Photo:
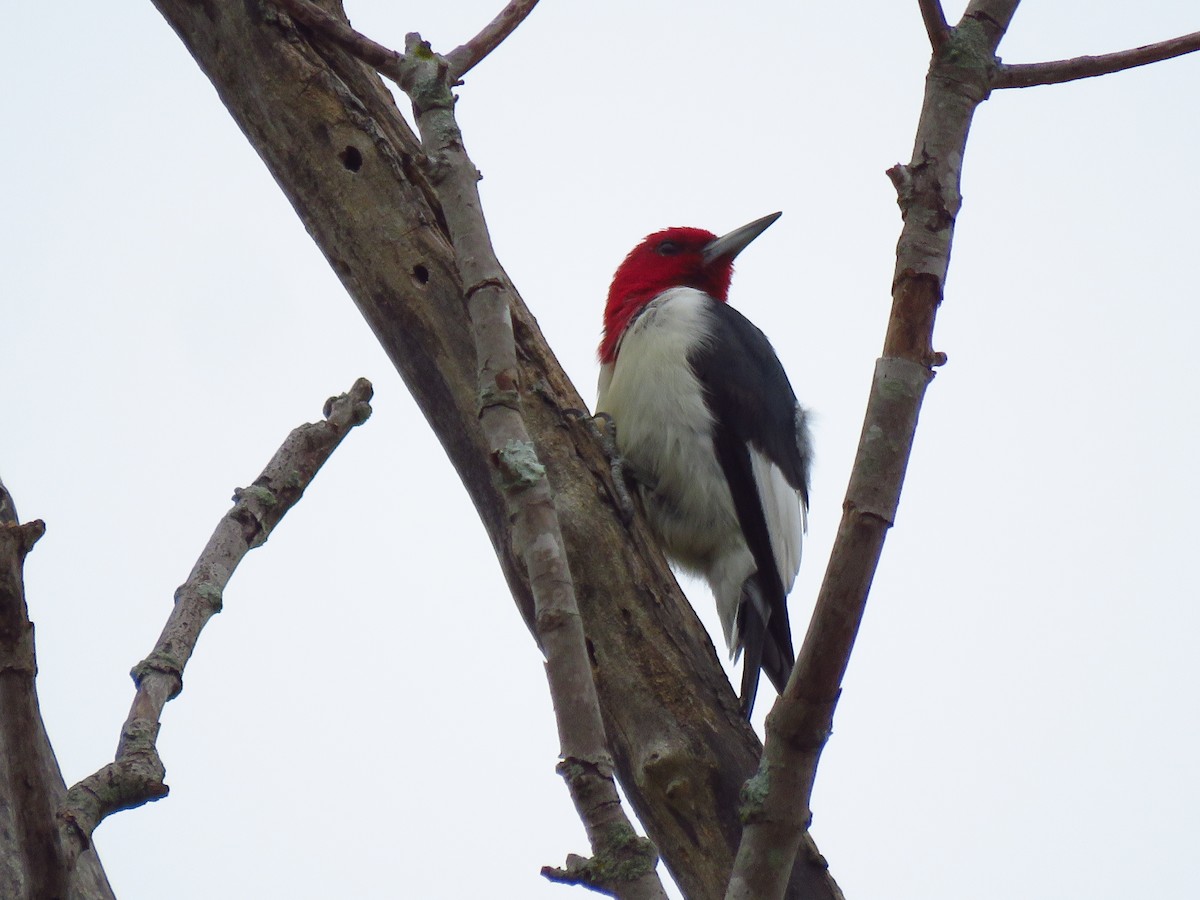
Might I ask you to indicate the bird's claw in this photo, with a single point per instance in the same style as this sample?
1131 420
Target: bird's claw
604 429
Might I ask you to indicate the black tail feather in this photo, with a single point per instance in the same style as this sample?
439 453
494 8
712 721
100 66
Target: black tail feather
778 663
753 635
765 646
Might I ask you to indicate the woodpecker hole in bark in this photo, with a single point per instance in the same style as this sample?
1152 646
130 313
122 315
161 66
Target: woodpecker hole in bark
421 273
351 158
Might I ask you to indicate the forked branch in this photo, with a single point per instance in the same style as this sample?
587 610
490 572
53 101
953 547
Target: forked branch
390 62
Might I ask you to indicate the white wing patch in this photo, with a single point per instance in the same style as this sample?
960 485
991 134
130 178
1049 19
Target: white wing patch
787 519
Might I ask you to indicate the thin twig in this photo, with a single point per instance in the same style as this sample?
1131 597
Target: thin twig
935 23
136 774
463 59
1062 70
622 863
338 31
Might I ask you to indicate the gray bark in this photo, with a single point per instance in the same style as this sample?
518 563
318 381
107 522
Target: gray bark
330 134
31 783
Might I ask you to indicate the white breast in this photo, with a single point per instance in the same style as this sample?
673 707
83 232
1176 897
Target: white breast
664 432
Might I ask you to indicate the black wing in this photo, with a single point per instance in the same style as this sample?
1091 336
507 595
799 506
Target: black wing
753 406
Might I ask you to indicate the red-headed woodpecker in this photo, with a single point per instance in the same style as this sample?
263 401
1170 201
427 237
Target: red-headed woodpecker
712 438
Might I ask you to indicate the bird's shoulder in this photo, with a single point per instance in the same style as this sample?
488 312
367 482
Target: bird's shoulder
750 394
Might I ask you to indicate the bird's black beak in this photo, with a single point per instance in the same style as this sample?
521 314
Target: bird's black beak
730 245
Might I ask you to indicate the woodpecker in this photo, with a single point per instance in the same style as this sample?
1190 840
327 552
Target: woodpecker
713 441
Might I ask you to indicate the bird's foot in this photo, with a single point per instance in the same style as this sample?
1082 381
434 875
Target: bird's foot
605 431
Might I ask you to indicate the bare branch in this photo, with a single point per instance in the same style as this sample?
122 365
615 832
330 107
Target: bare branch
776 807
1062 70
29 782
935 23
463 59
681 747
339 32
391 63
136 775
622 863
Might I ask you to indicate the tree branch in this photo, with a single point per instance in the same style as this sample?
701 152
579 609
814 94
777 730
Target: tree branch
681 747
338 32
31 783
622 863
1062 70
776 800
27 784
136 774
463 59
390 62
935 24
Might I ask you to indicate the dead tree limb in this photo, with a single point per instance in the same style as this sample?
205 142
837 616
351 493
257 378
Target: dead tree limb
330 134
136 775
33 864
622 863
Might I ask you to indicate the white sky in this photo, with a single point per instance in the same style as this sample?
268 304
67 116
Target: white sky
368 717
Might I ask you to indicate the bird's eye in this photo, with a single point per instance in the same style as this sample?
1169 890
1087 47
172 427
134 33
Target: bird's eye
667 248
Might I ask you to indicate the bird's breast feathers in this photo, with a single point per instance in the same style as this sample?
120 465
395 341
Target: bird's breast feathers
664 426
665 433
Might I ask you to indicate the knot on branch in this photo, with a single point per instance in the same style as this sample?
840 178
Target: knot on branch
518 464
425 76
205 592
551 618
501 392
918 188
622 856
212 595
162 663
138 737
24 536
672 772
753 795
496 283
258 494
754 798
902 181
251 505
351 408
574 769
804 724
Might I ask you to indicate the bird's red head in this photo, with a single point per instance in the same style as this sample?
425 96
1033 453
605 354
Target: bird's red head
673 257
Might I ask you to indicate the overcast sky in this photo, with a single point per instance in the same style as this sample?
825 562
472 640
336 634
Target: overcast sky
368 717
